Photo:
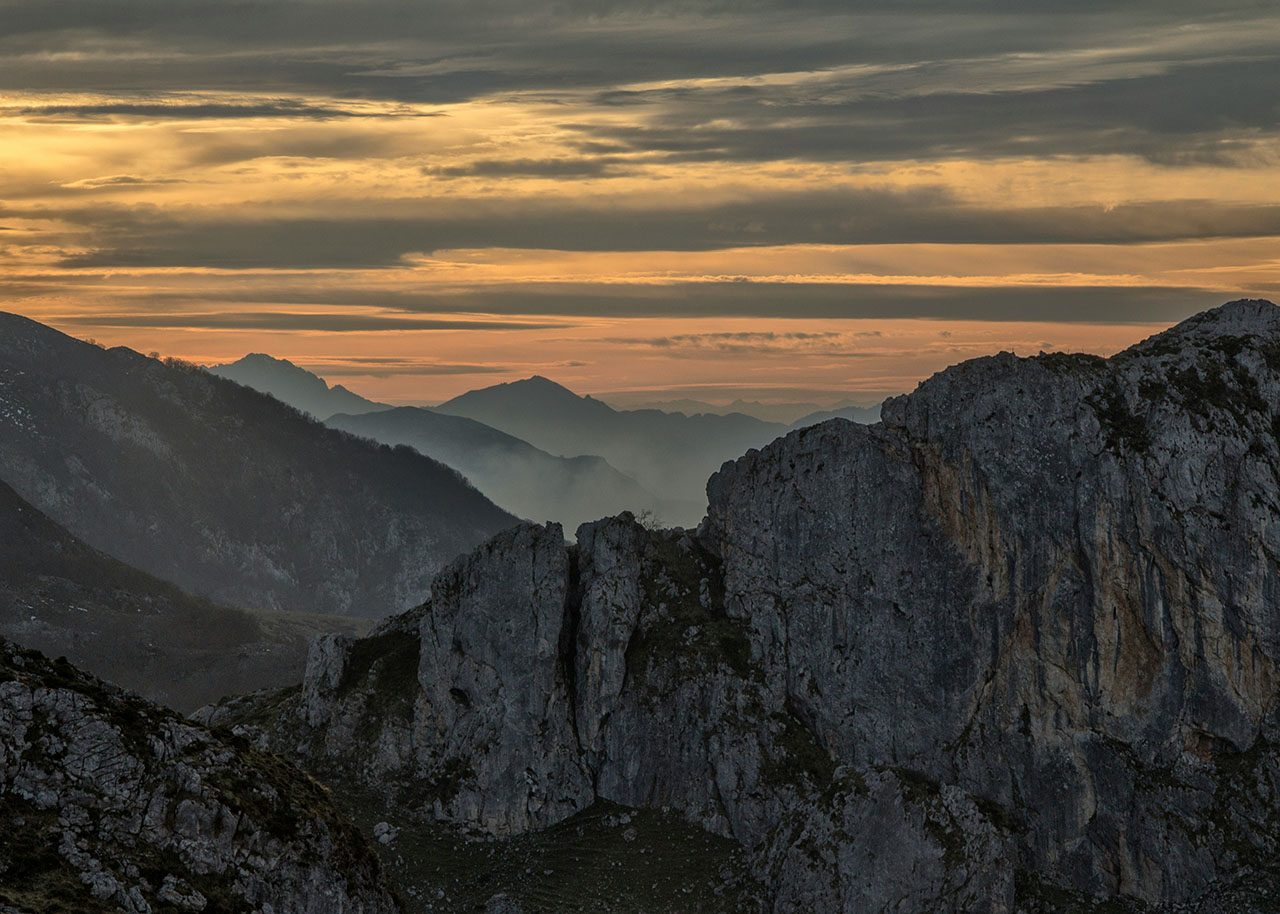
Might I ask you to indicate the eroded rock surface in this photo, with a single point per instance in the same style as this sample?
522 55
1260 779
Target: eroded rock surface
110 803
1012 649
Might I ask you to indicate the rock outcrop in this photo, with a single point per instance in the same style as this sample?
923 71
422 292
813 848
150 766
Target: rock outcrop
109 803
1014 648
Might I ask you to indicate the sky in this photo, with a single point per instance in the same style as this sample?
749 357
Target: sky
804 200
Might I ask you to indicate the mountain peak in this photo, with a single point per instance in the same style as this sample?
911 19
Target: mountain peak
1252 315
294 385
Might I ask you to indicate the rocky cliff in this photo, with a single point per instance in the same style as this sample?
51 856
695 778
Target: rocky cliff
1014 648
109 803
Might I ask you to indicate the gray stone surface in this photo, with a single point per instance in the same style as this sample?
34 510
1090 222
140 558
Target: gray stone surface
1012 649
109 802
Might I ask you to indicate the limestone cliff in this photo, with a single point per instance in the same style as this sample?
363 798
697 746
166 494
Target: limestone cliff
1014 648
110 803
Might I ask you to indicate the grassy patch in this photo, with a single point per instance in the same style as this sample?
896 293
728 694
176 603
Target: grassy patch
693 626
1124 431
799 757
604 859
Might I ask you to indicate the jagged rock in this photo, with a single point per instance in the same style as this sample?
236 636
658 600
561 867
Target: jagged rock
502 903
1015 648
112 803
497 705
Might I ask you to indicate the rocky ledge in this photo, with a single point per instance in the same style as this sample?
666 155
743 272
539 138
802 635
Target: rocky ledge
1015 648
110 803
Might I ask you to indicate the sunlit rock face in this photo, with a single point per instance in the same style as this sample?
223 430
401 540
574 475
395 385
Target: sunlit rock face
115 804
1013 648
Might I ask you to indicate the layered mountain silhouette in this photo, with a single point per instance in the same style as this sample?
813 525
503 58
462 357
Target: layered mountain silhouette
65 598
296 386
518 476
863 414
515 474
785 413
223 490
670 453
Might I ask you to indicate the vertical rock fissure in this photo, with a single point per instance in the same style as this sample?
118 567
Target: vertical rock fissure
568 648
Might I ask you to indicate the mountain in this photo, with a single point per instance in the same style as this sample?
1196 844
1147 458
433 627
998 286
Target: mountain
1015 648
227 492
785 413
864 414
110 803
293 385
63 598
668 453
518 476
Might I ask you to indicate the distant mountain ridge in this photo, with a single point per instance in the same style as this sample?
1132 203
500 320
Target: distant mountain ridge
62 597
668 453
296 386
518 476
225 491
866 415
523 479
786 413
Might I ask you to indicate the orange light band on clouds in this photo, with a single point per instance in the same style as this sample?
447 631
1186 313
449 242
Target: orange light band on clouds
444 201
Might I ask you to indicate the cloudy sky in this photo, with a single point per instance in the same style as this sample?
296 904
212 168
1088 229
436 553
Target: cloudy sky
712 199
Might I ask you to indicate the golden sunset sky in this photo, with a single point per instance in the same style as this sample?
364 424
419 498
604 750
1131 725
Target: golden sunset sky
783 201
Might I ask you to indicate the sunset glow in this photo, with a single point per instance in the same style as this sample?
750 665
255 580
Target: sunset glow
416 200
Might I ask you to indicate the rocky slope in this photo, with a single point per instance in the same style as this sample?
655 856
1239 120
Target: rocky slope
59 596
1012 649
113 804
226 492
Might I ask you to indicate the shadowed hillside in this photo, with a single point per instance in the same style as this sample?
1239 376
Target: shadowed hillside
227 492
64 598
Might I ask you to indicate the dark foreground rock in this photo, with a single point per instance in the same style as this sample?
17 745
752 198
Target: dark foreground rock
110 803
1015 648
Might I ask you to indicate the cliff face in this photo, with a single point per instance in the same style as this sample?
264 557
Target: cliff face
1014 647
112 803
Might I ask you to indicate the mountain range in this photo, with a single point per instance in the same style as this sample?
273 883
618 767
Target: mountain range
669 453
227 492
792 414
525 480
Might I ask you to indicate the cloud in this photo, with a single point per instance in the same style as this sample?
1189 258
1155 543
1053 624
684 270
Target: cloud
184 110
541 168
120 181
791 344
278 320
1083 304
121 237
389 368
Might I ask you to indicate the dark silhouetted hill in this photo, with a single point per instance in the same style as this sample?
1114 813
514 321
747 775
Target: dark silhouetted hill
296 386
221 489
